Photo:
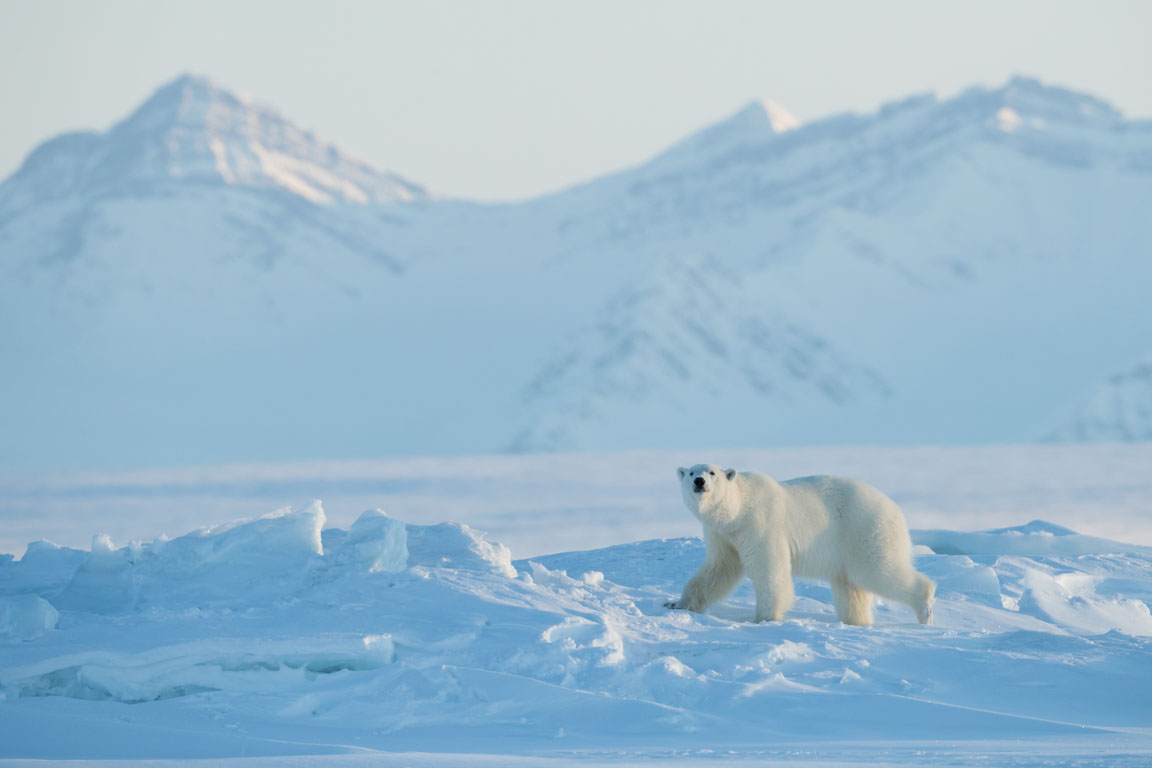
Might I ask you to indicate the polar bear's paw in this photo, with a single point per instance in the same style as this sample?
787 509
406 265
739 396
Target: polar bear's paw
681 605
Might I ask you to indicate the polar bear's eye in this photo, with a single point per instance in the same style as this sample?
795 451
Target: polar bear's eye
712 473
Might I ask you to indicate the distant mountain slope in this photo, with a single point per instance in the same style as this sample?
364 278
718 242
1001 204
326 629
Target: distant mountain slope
974 259
207 282
665 357
1120 410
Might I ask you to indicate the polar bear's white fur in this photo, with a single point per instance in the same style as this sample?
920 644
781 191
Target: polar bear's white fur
823 527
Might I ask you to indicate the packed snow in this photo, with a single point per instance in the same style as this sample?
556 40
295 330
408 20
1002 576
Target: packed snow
432 644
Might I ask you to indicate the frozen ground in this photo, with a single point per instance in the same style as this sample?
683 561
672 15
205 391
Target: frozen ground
284 640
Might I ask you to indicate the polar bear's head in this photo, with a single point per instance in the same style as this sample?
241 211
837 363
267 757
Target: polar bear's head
704 483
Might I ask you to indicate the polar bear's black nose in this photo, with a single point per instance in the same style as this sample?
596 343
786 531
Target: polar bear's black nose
699 482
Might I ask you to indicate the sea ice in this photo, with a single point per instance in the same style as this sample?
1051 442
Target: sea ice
275 636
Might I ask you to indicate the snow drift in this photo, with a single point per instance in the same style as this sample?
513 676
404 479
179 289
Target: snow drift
277 636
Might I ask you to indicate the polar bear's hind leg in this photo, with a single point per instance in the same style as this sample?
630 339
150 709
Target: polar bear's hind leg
904 584
853 604
927 596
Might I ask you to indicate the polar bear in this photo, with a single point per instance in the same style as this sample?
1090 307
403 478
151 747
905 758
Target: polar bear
821 527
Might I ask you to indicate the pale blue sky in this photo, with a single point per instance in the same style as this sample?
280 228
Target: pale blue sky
498 100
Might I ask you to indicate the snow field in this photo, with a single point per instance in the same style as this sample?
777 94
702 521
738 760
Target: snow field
276 636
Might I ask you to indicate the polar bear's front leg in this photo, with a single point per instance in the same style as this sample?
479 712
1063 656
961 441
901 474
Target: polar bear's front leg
718 576
771 574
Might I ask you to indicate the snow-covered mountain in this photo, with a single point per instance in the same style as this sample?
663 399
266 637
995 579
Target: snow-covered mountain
207 282
1119 411
957 270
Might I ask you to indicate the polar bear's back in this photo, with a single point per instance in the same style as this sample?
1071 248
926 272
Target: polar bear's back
848 502
846 518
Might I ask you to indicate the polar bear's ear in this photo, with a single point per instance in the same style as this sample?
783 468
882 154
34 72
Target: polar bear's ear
731 473
680 471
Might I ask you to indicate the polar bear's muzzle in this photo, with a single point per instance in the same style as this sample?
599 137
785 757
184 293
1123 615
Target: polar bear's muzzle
698 485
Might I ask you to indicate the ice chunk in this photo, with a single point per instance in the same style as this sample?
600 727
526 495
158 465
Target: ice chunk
281 538
265 557
455 545
376 540
103 583
27 617
249 559
44 568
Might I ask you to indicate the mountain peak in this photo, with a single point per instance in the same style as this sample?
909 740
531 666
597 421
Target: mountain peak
764 115
185 95
756 122
191 82
191 103
1029 100
192 130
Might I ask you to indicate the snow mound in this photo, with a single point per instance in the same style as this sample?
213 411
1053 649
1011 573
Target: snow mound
1035 538
245 561
1073 599
960 575
385 544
